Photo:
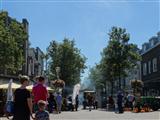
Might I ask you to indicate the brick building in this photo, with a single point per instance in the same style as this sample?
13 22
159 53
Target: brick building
151 66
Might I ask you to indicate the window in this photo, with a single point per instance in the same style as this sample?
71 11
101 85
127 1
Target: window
149 67
152 42
155 65
144 69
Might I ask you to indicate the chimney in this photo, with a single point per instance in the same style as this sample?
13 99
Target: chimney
153 41
145 47
26 24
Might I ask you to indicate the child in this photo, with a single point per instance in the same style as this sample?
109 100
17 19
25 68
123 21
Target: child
42 114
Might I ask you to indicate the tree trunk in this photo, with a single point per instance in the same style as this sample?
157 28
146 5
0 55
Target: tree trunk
124 83
5 70
119 78
112 88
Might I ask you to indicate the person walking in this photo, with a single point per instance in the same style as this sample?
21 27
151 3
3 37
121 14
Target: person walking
22 101
39 92
59 102
130 99
120 101
111 104
51 100
42 114
77 103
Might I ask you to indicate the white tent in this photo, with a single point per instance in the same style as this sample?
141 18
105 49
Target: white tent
31 86
5 86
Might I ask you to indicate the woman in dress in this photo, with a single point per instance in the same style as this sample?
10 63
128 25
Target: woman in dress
22 101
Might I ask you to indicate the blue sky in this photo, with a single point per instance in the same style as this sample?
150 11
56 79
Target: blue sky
88 22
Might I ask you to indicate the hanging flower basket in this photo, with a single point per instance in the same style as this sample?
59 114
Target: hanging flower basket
137 83
58 83
137 86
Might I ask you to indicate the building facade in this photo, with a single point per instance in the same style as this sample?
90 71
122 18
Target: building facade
33 57
26 47
133 74
151 66
35 62
6 74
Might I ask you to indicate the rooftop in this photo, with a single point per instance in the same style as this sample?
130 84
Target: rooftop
153 42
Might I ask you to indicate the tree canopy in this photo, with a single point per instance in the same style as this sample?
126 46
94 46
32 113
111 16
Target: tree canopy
70 60
12 38
118 57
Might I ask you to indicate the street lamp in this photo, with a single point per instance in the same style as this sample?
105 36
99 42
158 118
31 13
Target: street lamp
57 72
58 83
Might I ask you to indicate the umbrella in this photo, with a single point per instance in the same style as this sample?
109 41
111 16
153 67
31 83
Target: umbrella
5 86
31 86
9 91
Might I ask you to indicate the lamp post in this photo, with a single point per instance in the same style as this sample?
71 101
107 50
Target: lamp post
57 72
58 83
45 58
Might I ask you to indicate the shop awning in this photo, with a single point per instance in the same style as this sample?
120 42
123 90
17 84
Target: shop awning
31 86
5 86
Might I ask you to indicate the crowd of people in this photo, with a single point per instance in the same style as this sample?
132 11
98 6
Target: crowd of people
38 103
122 101
41 102
25 103
116 104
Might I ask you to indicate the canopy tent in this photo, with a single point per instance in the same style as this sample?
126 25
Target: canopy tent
31 86
15 86
5 86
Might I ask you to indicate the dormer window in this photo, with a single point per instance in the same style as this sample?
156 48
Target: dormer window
152 43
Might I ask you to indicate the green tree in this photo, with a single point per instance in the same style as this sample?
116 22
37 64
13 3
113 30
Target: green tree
96 77
71 62
119 56
12 38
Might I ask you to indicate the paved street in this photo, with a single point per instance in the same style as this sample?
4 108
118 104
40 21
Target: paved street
103 115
